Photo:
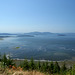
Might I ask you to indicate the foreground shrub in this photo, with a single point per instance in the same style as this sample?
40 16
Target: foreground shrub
25 65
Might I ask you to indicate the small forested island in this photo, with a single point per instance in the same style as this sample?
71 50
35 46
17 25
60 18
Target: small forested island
17 47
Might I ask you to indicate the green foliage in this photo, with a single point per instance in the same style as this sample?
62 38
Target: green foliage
56 67
38 65
51 67
46 66
73 70
4 59
43 67
9 62
32 65
0 57
26 65
63 67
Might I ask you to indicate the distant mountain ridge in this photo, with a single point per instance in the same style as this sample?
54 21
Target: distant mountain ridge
7 34
38 33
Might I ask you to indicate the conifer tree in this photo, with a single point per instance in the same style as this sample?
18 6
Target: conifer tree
9 62
63 67
46 66
56 67
51 67
26 65
0 57
4 60
32 65
43 67
73 70
38 65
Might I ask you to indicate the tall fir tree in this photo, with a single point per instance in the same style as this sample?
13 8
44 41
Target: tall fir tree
9 62
4 60
26 65
0 57
56 67
73 70
43 67
46 66
32 65
63 67
38 65
51 67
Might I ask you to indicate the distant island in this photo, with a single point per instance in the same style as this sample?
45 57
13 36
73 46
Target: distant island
25 35
61 35
39 33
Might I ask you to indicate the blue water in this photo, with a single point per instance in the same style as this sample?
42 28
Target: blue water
43 47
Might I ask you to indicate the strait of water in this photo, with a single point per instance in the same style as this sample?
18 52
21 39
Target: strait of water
43 47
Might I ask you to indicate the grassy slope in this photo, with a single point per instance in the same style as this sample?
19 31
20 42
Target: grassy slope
20 72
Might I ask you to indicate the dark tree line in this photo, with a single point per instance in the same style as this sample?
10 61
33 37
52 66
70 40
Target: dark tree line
46 67
50 67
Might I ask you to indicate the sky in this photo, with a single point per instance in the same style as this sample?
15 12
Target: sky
21 16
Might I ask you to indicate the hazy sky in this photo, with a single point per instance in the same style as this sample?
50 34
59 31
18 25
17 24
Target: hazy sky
37 15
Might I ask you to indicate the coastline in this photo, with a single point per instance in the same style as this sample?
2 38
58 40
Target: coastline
68 63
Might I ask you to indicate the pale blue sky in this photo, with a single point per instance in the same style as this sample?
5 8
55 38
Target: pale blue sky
37 15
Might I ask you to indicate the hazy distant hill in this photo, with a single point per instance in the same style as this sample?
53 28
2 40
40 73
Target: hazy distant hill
32 34
71 34
22 35
38 33
7 34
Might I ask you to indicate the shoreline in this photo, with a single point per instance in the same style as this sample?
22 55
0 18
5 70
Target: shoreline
17 59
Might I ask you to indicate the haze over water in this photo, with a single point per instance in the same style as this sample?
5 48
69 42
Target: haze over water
43 47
